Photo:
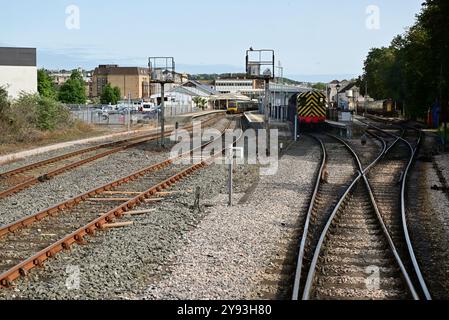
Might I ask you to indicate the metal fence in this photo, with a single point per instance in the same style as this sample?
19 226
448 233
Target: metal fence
279 113
93 114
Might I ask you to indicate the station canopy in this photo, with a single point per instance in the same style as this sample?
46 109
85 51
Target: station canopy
230 96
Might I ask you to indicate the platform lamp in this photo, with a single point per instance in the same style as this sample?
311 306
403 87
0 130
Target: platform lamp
338 95
162 71
260 64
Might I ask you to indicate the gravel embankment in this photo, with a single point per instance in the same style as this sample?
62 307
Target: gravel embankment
428 215
232 252
442 164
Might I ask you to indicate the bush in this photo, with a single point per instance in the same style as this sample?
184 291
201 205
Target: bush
29 116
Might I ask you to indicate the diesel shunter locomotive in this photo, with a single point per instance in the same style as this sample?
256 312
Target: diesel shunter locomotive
311 107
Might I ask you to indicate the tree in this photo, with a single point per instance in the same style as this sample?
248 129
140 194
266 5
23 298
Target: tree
110 95
117 94
200 102
74 90
45 84
319 86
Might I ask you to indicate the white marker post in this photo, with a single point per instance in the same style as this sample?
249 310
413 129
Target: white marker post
230 173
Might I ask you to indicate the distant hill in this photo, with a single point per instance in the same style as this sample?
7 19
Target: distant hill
216 76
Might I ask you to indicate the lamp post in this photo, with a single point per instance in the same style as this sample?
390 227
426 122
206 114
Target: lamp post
338 95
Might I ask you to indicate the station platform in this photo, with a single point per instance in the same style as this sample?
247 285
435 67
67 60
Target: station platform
201 114
254 118
342 125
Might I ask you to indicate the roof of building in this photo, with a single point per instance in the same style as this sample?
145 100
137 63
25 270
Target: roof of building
230 96
20 57
349 86
191 91
114 70
200 86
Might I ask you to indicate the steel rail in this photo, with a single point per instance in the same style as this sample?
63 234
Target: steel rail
53 173
362 174
404 217
417 269
67 204
72 154
297 281
90 229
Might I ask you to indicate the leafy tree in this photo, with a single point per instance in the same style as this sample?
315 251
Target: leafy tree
414 69
110 95
319 86
45 84
74 90
200 102
117 95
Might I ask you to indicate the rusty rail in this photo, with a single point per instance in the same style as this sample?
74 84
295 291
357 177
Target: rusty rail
53 173
90 229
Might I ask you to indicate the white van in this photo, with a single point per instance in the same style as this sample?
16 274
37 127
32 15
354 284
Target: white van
147 107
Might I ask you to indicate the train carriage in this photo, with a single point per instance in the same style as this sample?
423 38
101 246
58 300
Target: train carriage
238 107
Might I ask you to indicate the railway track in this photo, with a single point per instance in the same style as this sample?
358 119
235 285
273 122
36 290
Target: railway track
29 242
22 178
332 183
357 251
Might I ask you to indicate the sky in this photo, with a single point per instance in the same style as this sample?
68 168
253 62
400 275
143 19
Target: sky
315 40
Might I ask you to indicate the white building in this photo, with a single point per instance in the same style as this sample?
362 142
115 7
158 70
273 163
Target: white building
233 85
18 71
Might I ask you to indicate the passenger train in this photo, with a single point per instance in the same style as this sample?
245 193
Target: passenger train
238 107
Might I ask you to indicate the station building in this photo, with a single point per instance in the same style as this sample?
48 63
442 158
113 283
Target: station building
18 70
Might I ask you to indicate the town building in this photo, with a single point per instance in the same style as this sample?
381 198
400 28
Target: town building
348 96
60 77
18 70
133 81
234 85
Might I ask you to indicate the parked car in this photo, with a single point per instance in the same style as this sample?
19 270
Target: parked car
126 110
105 110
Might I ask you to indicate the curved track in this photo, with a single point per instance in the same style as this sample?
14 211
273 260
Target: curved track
360 254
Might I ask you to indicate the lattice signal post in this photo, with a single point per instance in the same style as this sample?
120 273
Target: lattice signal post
260 64
162 71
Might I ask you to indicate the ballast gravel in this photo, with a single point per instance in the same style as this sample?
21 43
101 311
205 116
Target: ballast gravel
75 182
230 254
80 180
178 251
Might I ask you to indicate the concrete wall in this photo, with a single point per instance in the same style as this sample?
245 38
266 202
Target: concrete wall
18 79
